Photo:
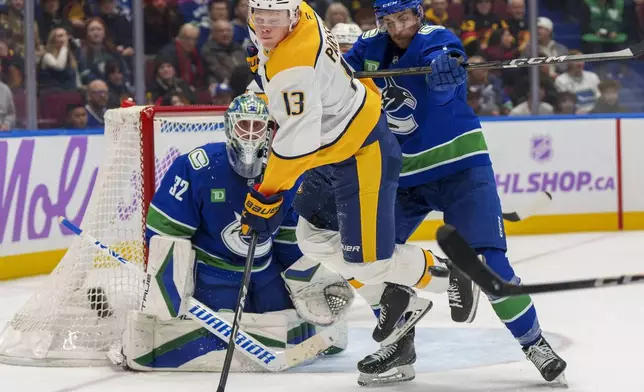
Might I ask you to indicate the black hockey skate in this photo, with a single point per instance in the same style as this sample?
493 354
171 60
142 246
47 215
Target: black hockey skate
400 310
549 364
390 364
463 296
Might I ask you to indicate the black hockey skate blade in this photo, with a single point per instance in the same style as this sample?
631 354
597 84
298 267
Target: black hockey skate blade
98 302
465 259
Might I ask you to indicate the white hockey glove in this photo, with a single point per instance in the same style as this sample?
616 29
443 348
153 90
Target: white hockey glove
320 296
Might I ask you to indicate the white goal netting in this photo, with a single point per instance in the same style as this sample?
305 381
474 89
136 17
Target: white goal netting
79 312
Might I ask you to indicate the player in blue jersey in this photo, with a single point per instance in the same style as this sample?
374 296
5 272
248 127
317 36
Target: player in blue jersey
197 208
446 166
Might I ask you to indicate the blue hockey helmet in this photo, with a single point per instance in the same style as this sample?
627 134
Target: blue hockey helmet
383 8
246 123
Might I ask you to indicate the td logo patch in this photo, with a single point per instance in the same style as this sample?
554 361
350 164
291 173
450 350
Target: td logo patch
217 195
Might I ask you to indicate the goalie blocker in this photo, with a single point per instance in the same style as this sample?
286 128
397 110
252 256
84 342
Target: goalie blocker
162 338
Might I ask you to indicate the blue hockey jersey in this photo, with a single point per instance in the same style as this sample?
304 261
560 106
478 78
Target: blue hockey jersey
438 132
201 198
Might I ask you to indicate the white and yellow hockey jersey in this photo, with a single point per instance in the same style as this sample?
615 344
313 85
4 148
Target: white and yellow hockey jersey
324 115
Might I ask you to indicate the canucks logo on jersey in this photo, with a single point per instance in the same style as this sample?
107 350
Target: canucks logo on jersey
238 243
399 104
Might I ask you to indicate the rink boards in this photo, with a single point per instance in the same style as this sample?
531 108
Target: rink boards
590 164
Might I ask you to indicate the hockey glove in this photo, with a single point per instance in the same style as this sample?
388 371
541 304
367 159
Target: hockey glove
252 59
447 73
262 214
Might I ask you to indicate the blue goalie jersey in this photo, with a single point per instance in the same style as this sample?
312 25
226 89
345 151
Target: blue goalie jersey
438 132
201 198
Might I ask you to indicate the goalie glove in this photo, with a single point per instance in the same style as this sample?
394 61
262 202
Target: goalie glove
320 296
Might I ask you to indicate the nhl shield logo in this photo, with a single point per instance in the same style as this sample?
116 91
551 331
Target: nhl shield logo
541 148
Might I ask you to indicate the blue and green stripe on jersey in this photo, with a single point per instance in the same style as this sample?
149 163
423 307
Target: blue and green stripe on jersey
461 147
511 308
161 223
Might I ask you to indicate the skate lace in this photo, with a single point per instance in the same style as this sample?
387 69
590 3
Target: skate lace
540 355
454 296
385 352
382 316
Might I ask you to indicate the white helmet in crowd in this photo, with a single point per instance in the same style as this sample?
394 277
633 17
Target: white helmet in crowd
346 33
292 6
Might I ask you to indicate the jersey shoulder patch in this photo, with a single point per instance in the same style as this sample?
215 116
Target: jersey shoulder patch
370 33
207 158
301 48
428 29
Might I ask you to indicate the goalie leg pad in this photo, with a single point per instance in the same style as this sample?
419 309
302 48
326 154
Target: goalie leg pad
320 295
183 345
171 269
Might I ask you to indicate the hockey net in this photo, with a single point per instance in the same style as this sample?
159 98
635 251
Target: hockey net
79 312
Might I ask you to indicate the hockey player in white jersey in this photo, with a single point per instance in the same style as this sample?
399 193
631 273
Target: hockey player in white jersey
197 250
331 129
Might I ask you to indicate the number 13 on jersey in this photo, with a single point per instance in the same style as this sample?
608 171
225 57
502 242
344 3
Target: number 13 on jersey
293 102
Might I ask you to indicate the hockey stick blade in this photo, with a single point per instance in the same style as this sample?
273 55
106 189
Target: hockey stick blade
464 258
631 52
540 201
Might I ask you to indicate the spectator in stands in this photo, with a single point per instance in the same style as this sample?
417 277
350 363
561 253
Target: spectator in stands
162 22
240 22
218 10
336 13
76 117
365 19
51 17
517 24
174 99
521 84
118 28
477 27
548 46
97 96
182 52
436 14
602 25
12 67
120 89
493 99
7 109
74 11
501 46
566 103
58 67
608 102
222 95
95 51
13 25
166 83
525 108
221 54
584 84
476 101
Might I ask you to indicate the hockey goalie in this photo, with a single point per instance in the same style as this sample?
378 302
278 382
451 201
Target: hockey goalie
196 249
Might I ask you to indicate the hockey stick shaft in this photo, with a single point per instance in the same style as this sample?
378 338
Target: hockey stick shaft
222 328
241 302
625 54
465 259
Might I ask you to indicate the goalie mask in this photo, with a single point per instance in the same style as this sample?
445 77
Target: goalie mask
247 134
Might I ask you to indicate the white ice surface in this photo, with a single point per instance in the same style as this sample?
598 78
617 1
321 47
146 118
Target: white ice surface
600 334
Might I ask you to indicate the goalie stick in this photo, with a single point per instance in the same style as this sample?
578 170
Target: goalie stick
465 259
631 52
269 359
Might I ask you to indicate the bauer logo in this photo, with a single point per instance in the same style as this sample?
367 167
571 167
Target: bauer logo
222 329
541 148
